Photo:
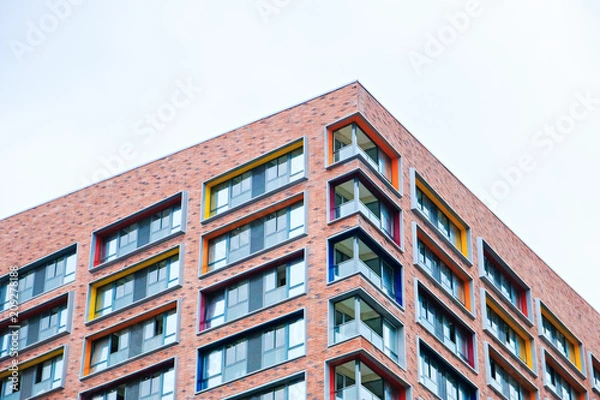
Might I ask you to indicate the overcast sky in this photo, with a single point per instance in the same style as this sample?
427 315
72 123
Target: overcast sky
505 93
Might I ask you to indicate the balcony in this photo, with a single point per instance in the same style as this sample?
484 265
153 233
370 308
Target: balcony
351 140
353 255
354 317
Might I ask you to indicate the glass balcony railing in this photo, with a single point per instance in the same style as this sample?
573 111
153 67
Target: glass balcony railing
352 266
354 328
355 392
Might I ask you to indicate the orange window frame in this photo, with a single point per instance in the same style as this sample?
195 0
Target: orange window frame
373 135
465 279
463 245
528 350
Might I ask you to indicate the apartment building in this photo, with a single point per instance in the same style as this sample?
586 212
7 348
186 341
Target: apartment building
318 253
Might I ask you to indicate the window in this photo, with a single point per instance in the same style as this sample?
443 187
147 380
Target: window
262 176
157 385
503 281
42 276
36 325
446 327
293 389
505 384
507 332
440 216
596 375
441 379
141 281
259 291
262 233
357 379
354 137
258 349
149 226
555 382
41 377
355 316
441 273
354 252
140 338
357 194
560 338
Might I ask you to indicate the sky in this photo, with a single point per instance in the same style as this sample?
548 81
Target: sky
506 94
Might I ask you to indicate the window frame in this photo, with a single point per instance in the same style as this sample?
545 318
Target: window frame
419 235
530 363
483 249
257 332
358 177
290 204
491 354
548 360
472 361
417 182
102 236
544 313
363 295
65 299
165 365
52 354
287 261
392 378
269 387
126 325
257 162
395 159
357 233
146 264
450 372
31 268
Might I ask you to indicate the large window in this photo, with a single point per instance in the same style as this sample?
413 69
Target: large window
254 236
596 373
140 338
555 382
507 332
41 277
259 349
356 194
442 379
356 316
269 175
292 389
36 325
39 378
356 379
262 290
137 283
445 276
351 140
440 216
446 327
148 226
354 252
158 384
497 275
560 338
503 382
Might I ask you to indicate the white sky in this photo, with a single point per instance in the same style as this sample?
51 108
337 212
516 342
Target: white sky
75 95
